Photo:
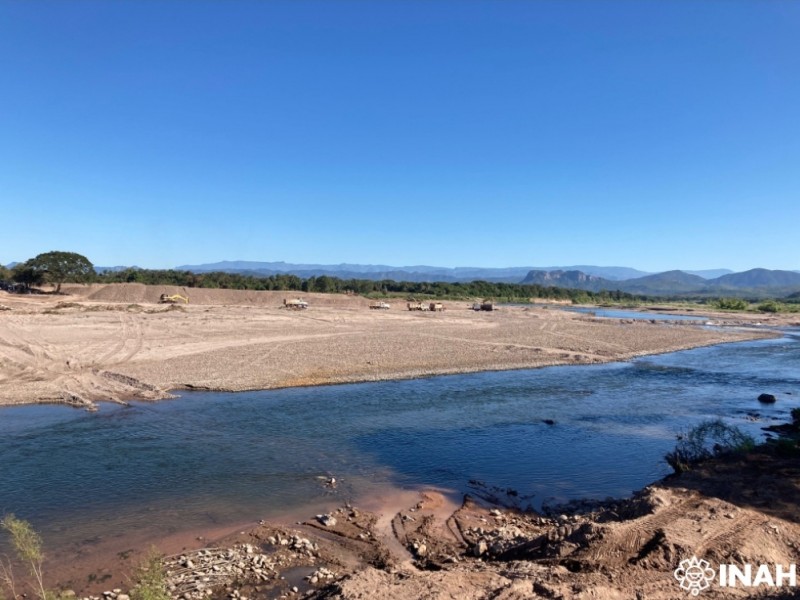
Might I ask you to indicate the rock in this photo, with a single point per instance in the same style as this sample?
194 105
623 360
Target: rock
123 597
766 399
327 520
480 548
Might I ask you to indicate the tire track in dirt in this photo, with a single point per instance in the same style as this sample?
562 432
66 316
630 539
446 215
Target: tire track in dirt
625 540
131 333
731 535
61 375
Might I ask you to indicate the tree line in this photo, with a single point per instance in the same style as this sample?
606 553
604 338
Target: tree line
366 287
59 267
62 267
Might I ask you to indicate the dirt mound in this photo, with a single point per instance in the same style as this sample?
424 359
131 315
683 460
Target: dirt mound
626 549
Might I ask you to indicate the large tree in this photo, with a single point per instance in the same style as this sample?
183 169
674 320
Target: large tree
58 267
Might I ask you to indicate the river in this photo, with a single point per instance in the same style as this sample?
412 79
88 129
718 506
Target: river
212 459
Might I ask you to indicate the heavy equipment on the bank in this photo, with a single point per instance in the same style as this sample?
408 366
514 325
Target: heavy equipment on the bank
173 299
295 304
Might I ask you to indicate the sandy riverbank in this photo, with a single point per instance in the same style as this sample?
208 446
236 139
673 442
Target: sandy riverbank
115 342
408 546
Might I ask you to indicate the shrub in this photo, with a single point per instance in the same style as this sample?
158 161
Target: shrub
150 579
28 546
707 440
731 304
770 306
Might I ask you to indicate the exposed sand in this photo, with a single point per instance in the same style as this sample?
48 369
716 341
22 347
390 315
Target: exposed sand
115 342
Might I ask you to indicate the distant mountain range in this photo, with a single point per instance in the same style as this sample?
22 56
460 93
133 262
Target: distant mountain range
755 282
419 272
709 282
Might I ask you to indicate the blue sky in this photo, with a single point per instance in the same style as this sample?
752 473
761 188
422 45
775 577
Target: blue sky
649 134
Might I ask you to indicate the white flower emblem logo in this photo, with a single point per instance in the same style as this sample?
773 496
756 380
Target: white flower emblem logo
694 575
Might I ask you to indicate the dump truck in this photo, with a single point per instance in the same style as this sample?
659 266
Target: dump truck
295 304
379 306
173 299
417 306
436 306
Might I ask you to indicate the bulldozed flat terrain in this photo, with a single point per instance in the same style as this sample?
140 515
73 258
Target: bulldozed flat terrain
117 343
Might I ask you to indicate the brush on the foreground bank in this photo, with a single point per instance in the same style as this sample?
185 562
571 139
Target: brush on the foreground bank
28 546
704 441
150 579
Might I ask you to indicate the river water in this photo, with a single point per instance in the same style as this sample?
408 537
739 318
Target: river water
211 459
616 313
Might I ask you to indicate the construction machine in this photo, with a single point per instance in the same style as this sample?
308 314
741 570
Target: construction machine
173 299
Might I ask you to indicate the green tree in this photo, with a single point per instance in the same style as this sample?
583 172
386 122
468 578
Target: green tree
58 267
25 274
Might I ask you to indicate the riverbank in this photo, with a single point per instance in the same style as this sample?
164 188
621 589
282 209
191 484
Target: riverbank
738 509
116 343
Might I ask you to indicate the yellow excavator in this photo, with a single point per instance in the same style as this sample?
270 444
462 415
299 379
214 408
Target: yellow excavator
173 299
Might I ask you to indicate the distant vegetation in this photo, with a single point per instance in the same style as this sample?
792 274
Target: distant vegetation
61 267
765 306
365 287
54 267
730 304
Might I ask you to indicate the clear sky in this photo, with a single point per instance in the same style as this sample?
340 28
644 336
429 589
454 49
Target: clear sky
650 134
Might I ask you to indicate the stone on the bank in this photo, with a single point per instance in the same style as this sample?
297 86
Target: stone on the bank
327 520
